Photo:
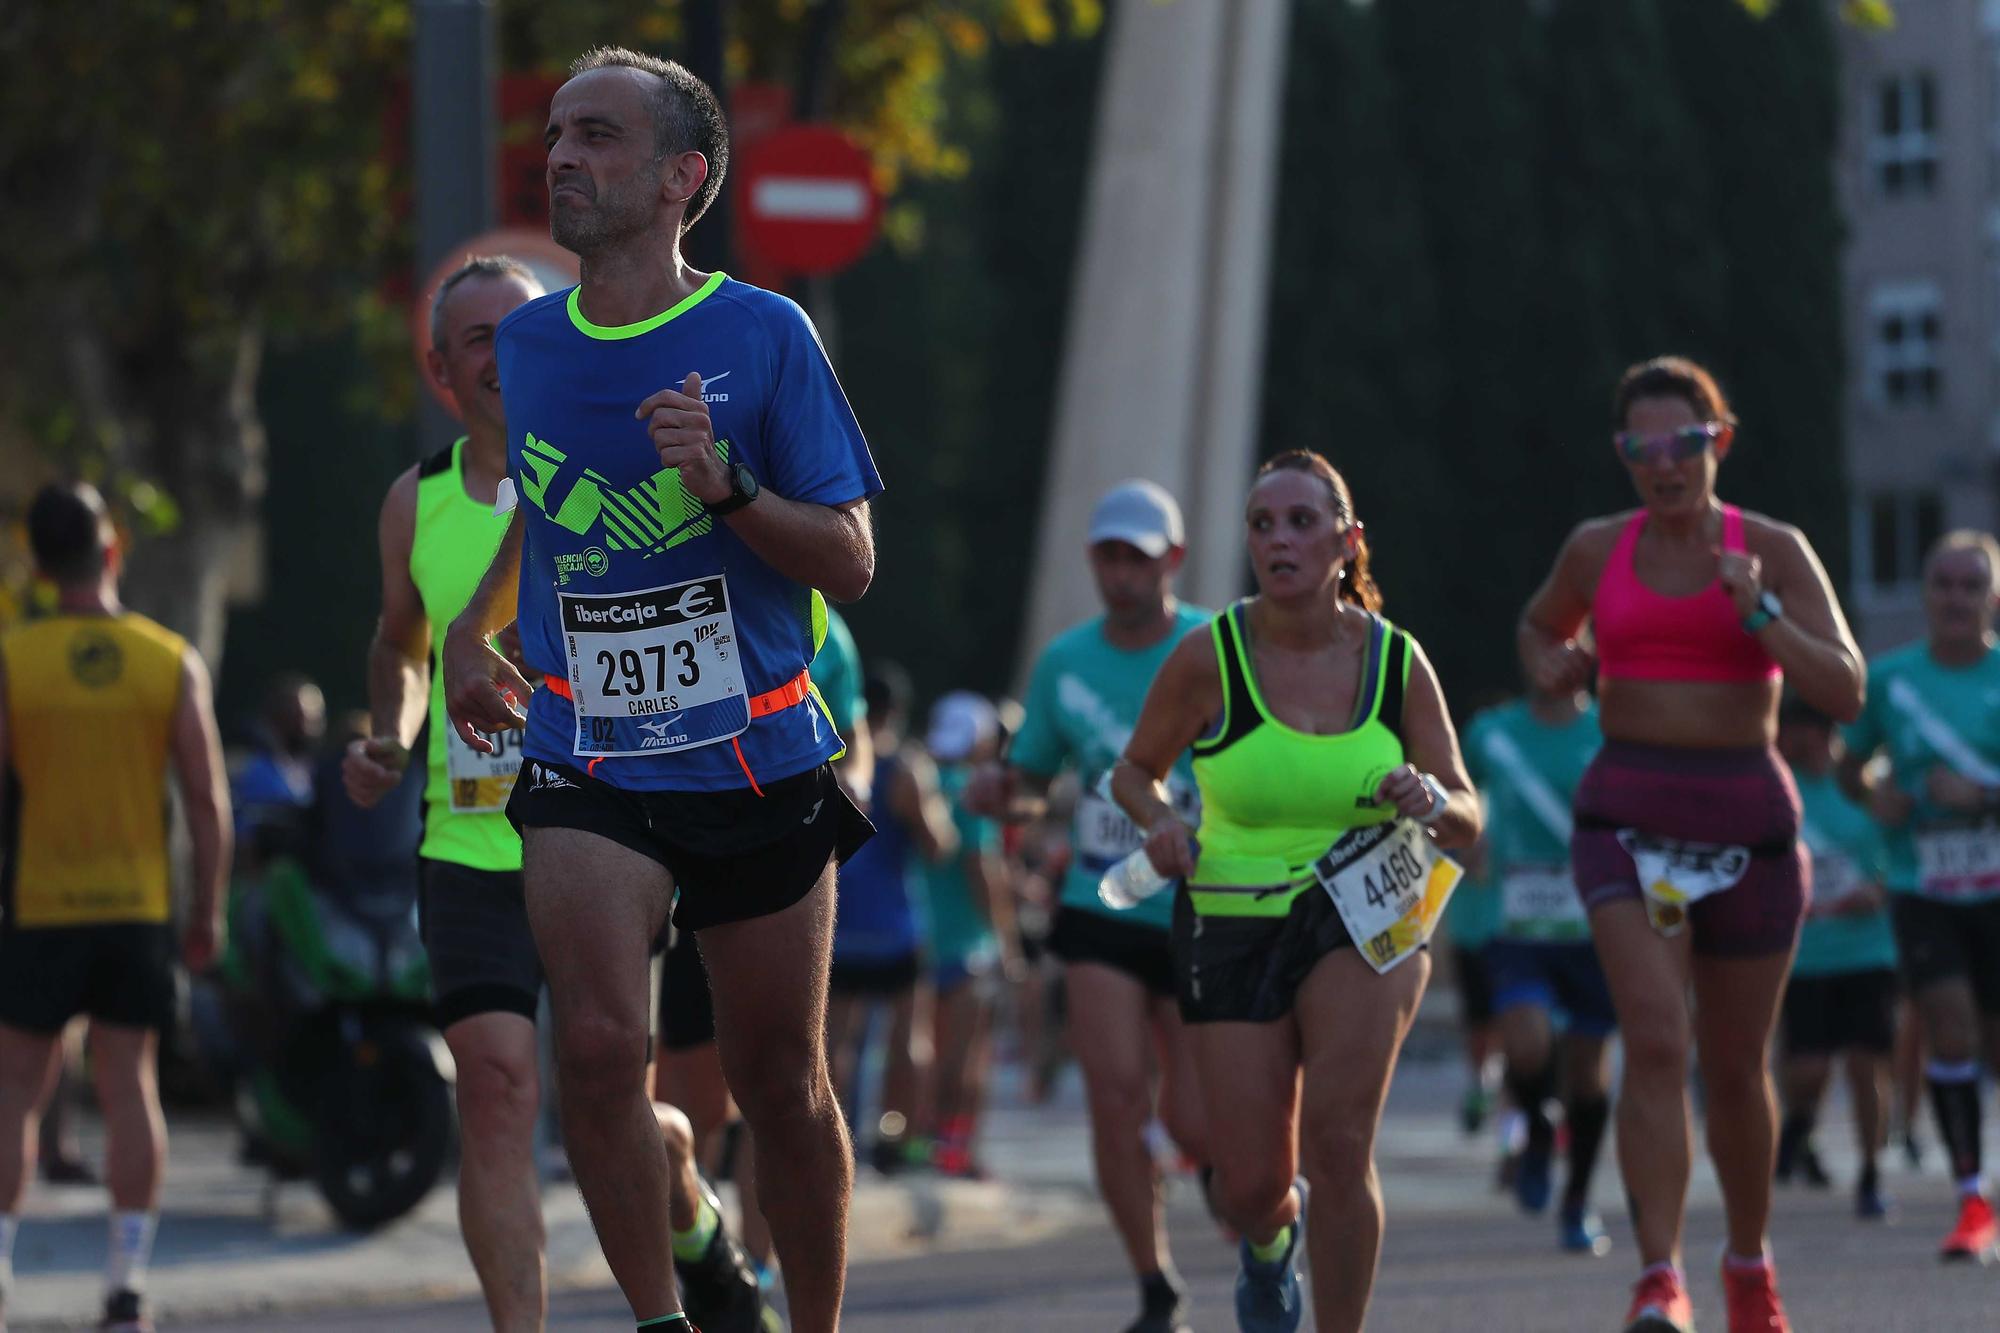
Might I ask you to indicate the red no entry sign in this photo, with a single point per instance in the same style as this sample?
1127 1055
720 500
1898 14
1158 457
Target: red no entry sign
808 200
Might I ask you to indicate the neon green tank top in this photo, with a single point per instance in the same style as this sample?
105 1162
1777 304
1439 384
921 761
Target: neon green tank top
466 792
1274 799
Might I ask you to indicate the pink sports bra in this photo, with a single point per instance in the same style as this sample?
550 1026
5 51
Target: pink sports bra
1645 635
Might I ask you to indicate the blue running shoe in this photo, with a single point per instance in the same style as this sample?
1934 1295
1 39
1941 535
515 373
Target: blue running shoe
1582 1232
1872 1205
1534 1180
1268 1299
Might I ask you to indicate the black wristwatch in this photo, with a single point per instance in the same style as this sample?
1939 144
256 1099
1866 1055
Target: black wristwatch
743 489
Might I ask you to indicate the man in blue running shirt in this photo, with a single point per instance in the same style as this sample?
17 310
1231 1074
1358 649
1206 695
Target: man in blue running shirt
687 472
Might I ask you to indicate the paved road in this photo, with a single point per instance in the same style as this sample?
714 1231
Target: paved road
1457 1257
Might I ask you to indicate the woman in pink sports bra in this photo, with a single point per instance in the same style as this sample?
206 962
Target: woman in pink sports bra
1685 848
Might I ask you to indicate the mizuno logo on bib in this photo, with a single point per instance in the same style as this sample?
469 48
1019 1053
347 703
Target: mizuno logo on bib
654 670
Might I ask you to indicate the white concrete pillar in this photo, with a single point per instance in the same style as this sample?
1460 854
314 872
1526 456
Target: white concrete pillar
1162 369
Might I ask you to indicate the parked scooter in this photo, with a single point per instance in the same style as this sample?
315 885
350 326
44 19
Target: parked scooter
347 1079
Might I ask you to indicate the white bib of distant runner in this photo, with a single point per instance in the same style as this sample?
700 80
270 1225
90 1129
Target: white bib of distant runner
1834 876
1959 861
1540 902
1390 887
1105 835
479 783
1675 875
654 670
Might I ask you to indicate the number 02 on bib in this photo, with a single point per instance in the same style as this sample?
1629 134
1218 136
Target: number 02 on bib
1390 885
654 670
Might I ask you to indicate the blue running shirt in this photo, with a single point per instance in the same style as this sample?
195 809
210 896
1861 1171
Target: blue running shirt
664 622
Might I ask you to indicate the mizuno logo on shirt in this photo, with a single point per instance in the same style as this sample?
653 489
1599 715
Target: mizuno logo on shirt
707 380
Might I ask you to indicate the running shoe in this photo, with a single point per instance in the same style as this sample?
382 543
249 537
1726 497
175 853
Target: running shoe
1163 1316
1472 1112
1581 1231
125 1313
1660 1304
720 1289
1268 1299
1871 1204
1534 1179
1752 1297
1976 1234
1913 1149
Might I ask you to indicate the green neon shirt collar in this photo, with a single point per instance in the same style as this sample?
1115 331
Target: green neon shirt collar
693 299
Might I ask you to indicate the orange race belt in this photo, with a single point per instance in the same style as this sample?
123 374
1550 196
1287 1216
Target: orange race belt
789 695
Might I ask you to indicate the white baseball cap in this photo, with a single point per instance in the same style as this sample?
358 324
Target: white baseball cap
960 721
1141 514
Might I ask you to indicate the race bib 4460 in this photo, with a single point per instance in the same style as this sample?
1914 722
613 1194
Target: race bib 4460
1390 887
654 670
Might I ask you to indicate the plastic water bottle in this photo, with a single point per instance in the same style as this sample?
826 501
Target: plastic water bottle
1131 882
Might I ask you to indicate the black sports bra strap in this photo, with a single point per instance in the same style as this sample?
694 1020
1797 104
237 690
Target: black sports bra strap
1396 667
1240 713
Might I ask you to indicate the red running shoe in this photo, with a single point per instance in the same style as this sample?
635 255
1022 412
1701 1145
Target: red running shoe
1752 1297
1976 1234
1660 1304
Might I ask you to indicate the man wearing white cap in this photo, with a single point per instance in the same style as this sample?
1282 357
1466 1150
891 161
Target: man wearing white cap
1083 698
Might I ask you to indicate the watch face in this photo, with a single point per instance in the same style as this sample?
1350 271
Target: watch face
746 482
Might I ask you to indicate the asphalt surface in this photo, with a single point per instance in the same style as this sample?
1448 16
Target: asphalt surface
1458 1256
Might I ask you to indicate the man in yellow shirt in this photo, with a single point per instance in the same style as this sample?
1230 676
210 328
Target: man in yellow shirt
96 703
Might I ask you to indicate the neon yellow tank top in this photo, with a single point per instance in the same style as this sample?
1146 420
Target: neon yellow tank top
90 713
466 792
1274 799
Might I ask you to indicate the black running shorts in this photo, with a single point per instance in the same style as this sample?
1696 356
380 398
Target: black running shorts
482 953
687 1008
1248 969
1143 953
876 978
1941 941
1841 1011
121 974
733 855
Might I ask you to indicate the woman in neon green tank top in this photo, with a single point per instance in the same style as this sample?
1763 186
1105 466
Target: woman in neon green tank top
1319 735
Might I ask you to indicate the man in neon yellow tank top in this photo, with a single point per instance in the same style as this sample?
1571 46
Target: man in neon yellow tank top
98 704
437 532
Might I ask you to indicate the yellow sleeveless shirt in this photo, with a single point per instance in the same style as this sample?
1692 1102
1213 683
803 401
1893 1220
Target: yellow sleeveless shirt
90 709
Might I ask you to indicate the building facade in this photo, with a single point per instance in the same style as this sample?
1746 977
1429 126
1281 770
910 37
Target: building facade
1919 175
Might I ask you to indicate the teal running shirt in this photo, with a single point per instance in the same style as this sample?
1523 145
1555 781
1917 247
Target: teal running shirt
1925 714
1527 773
1848 852
1084 697
959 931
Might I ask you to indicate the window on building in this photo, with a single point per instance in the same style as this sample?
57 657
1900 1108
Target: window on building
1900 527
1903 150
1904 333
